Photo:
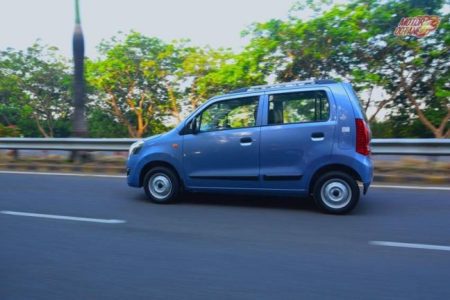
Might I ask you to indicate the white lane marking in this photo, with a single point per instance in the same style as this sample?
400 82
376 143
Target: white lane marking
411 187
410 245
26 214
406 187
63 174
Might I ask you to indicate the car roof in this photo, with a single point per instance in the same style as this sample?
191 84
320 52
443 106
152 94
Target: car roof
293 85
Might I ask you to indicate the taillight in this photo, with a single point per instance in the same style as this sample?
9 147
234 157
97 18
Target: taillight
362 137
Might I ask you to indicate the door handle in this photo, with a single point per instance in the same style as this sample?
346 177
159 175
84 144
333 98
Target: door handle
317 136
246 141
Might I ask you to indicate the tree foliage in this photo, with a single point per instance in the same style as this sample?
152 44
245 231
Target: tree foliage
134 78
35 84
355 42
142 85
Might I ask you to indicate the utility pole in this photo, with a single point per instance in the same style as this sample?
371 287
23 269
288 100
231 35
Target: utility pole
79 127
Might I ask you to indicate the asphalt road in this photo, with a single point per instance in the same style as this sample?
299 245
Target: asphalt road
216 247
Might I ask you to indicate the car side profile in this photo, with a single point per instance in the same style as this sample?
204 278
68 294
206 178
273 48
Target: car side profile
306 138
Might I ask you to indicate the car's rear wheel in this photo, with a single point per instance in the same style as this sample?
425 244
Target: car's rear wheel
161 185
336 193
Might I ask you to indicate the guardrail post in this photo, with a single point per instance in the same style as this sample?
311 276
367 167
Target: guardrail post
80 157
14 154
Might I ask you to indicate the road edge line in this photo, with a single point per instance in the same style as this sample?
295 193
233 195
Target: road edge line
62 174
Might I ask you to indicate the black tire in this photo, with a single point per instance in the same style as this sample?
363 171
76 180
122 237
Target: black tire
159 177
336 193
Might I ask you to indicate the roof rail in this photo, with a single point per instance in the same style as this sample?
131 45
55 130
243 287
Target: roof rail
282 85
240 90
325 81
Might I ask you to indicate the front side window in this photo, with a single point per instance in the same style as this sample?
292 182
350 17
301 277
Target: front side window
308 106
230 114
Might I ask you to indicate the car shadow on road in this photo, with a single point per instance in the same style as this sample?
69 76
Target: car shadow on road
304 204
230 200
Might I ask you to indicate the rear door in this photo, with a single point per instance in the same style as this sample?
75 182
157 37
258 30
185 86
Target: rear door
297 134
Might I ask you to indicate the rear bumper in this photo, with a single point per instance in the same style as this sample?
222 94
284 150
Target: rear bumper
366 187
366 173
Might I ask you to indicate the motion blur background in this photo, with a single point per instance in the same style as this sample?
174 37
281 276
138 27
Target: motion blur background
155 61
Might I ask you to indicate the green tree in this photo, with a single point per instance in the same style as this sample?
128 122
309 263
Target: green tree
356 42
214 71
9 131
135 82
35 84
103 124
140 84
9 94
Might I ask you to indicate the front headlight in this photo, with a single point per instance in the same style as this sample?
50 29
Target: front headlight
135 147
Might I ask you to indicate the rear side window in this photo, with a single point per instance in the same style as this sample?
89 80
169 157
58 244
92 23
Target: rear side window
308 106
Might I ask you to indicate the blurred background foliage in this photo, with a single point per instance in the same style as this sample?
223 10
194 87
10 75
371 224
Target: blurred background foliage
140 85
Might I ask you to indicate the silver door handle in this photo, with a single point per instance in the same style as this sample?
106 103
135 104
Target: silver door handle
317 139
317 136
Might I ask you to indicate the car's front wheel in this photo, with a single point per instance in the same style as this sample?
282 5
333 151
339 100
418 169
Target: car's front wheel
336 193
161 185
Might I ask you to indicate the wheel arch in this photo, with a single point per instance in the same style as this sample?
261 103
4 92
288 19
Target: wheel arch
329 168
157 163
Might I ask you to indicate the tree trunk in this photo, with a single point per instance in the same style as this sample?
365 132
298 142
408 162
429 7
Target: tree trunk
383 103
39 126
116 111
173 104
437 131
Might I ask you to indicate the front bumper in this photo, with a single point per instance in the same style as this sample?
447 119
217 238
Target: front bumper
133 171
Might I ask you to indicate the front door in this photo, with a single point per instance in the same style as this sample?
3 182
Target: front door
223 150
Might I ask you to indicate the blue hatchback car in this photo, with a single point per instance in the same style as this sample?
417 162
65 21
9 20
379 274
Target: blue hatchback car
298 138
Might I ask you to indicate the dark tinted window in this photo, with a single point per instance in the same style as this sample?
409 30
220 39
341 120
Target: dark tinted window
308 106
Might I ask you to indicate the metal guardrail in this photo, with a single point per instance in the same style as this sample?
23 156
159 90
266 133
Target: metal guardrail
427 147
68 144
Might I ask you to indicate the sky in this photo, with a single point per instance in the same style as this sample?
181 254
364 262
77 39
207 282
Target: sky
217 23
